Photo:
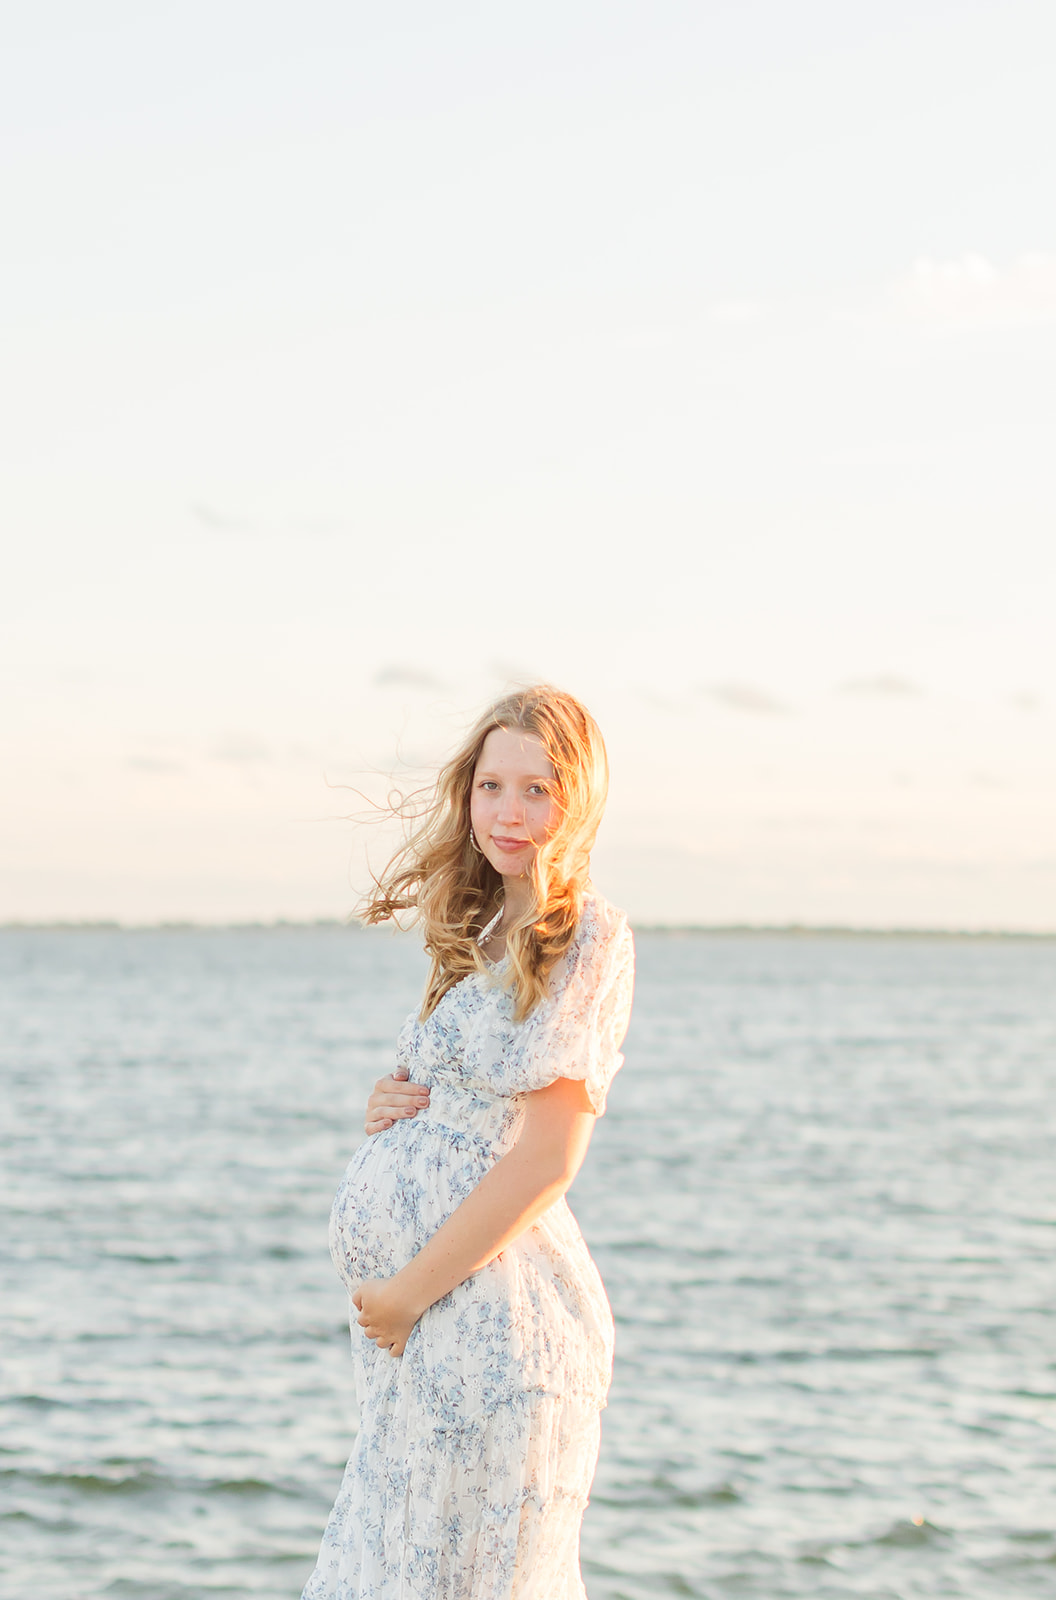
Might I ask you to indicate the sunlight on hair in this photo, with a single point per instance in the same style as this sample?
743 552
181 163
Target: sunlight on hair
454 892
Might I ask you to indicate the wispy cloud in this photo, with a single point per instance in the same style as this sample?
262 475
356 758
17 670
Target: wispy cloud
882 683
401 676
971 291
984 778
745 697
286 527
650 697
221 521
153 765
738 313
240 750
1025 700
512 672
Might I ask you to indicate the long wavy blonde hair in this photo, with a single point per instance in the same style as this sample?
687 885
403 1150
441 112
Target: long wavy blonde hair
455 891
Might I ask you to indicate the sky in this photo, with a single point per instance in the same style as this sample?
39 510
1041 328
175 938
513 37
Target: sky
699 358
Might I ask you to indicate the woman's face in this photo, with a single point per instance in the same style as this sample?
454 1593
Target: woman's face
512 804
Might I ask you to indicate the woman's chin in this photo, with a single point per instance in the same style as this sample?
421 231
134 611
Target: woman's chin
511 863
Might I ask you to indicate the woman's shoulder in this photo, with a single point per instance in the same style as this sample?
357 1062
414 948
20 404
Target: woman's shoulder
596 973
600 915
602 927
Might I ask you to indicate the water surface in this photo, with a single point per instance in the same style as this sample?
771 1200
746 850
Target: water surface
823 1201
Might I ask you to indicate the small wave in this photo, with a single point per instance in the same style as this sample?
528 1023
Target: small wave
835 1353
901 1535
134 1589
53 1525
663 1491
911 1535
36 1402
147 1258
117 1476
138 1482
245 1486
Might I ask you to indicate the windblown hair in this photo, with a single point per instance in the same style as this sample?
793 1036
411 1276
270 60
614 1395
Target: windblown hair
455 891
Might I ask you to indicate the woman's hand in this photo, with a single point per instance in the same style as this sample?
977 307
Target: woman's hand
386 1315
393 1097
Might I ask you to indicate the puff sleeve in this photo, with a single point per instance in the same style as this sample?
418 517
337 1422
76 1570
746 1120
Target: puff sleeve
577 1031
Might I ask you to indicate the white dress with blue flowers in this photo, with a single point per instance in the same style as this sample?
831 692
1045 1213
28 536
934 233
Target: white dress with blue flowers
477 1447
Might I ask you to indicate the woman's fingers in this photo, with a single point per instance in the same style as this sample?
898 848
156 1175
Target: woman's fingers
385 1114
399 1090
377 1332
393 1346
395 1108
383 1340
392 1098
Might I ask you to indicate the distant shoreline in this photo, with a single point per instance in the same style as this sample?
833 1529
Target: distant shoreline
806 930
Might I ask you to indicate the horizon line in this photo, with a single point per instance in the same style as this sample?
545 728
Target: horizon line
276 924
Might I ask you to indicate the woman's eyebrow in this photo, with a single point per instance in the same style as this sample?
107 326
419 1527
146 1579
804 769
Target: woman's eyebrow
531 777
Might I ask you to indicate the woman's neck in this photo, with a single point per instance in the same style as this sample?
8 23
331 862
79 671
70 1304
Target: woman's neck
517 897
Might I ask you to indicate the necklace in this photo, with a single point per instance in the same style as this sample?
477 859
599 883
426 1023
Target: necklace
487 933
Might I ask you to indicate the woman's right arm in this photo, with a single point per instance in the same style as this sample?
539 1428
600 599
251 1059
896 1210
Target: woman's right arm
393 1097
508 1199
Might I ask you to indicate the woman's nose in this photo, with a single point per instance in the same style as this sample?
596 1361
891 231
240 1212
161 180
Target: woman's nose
511 811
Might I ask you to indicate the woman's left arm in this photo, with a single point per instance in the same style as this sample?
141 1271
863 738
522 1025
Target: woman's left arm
527 1181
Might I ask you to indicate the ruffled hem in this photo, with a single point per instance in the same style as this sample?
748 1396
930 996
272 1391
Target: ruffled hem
484 1507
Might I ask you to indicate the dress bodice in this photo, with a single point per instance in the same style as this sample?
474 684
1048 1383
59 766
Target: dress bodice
475 1058
476 1447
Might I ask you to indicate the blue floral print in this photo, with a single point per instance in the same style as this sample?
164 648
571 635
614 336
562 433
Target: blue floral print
477 1447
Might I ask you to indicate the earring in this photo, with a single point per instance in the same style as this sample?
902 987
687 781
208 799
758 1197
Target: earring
473 842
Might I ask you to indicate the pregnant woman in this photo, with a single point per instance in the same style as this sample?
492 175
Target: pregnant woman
481 1334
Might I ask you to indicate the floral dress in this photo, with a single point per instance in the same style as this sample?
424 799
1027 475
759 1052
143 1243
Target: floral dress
477 1447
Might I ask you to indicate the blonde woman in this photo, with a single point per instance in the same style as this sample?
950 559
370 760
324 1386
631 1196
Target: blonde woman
482 1337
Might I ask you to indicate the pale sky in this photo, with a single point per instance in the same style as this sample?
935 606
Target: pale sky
699 358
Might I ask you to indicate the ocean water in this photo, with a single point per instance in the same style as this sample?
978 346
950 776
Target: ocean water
823 1201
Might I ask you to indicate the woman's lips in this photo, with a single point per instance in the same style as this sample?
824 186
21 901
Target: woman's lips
509 844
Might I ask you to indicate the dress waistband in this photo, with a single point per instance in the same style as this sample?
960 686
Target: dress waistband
473 1114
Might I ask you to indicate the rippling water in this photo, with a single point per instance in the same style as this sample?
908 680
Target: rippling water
823 1200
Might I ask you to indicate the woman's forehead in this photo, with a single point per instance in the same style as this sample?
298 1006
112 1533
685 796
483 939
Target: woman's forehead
516 747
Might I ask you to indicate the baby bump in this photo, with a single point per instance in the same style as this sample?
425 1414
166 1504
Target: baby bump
534 1320
397 1190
